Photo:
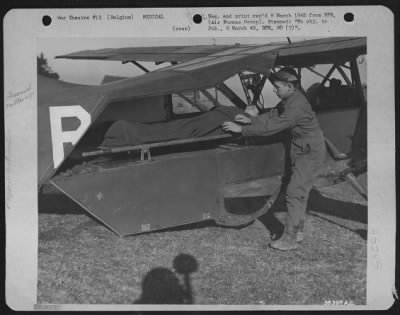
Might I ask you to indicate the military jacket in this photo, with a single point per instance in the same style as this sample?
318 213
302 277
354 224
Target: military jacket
297 117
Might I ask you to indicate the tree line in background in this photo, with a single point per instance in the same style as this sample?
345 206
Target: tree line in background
44 69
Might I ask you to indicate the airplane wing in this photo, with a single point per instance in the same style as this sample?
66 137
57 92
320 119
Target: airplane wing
305 51
321 51
166 53
200 67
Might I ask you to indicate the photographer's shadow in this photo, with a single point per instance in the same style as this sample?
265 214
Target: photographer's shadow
162 285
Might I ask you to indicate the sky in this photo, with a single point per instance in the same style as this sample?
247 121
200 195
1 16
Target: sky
92 72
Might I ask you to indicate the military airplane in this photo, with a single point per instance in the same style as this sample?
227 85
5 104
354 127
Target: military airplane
232 180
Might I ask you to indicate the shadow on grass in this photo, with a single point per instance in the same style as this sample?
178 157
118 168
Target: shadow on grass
60 204
317 203
363 233
162 285
341 209
245 205
236 206
57 203
272 224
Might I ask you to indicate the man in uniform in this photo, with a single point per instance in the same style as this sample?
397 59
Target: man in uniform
307 151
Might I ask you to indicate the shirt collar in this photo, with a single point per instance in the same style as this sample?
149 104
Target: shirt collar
291 98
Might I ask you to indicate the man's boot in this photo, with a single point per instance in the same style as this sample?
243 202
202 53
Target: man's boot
288 241
300 232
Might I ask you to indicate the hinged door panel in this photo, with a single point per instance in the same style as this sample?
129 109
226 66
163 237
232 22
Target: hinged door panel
151 195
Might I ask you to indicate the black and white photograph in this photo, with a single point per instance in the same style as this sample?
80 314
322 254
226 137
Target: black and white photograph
222 160
197 174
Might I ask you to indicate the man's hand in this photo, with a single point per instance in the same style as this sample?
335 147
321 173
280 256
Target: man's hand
229 126
242 119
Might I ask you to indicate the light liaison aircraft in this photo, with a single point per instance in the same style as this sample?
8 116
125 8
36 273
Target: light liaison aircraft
232 180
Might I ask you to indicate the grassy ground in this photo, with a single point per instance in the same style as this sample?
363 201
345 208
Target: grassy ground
81 261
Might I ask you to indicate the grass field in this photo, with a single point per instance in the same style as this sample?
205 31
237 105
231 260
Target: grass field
81 261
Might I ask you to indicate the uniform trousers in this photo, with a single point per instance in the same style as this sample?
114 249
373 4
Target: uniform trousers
306 164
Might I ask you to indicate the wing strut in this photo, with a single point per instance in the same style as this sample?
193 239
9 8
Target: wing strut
137 64
232 96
